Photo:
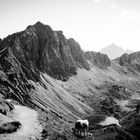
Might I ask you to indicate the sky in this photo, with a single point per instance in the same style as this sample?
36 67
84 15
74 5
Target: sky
94 24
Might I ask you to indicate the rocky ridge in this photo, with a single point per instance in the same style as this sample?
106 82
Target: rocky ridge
39 48
131 61
98 59
43 69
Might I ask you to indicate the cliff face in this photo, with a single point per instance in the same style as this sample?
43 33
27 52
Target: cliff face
132 60
98 59
39 48
65 53
46 50
123 59
78 54
0 42
13 82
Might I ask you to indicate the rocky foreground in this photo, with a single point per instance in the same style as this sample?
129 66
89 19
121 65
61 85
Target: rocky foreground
40 68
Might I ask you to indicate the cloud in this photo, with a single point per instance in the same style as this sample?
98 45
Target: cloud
131 15
114 5
128 16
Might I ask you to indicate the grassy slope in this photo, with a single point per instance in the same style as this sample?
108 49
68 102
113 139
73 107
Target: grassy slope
68 99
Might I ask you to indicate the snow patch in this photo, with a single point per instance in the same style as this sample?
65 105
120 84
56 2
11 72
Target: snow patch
110 120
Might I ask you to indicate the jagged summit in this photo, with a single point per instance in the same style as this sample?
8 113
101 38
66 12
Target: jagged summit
45 50
78 54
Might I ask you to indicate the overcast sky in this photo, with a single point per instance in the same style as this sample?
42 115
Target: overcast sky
93 23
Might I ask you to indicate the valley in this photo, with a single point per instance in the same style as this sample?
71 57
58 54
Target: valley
52 82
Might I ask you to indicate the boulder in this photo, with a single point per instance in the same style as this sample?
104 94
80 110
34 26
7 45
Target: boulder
9 127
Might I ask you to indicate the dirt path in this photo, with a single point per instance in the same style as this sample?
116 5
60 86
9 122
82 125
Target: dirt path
30 129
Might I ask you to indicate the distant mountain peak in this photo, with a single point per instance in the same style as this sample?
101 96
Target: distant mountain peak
114 51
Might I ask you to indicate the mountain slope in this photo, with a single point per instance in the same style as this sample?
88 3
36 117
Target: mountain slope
42 69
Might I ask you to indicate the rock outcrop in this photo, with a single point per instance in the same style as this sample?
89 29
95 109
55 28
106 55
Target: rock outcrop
132 60
98 59
0 42
5 106
9 127
40 49
124 59
13 82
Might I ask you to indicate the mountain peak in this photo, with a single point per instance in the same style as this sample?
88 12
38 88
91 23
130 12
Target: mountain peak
39 23
113 44
114 51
